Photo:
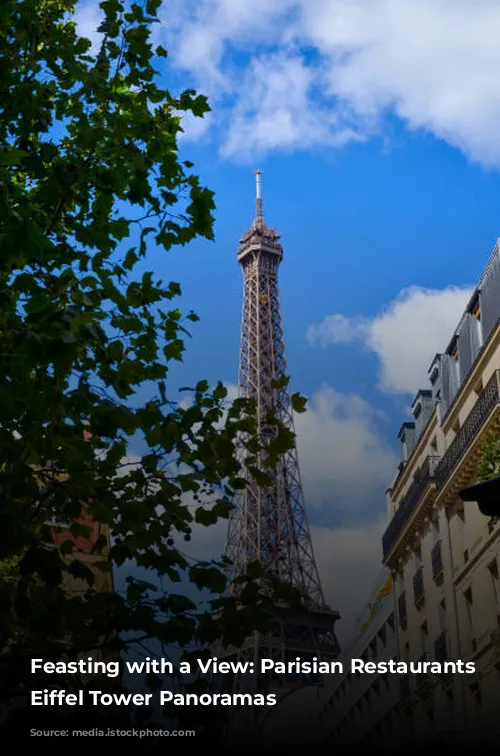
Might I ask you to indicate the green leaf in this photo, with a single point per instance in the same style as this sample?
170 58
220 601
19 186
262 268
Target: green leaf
67 547
205 516
12 156
280 383
90 158
299 403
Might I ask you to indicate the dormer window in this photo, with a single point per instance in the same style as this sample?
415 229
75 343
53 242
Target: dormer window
477 313
434 375
455 354
417 411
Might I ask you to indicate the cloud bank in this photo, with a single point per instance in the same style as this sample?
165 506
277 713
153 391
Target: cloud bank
293 74
296 74
405 336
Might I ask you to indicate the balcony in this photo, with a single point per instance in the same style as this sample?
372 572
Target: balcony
469 431
402 615
418 587
405 511
437 563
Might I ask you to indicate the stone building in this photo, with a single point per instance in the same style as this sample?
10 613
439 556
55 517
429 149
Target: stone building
444 556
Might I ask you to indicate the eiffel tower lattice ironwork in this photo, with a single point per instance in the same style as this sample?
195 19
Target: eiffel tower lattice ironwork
269 524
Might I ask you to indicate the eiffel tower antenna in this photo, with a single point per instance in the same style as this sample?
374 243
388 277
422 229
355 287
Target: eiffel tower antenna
258 209
269 524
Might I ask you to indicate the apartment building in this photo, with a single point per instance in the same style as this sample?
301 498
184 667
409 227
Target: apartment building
362 709
444 556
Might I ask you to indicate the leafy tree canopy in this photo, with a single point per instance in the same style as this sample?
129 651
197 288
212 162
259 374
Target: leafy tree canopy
90 178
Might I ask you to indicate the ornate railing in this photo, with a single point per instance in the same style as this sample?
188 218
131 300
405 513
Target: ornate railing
409 503
437 561
469 430
402 615
418 586
440 648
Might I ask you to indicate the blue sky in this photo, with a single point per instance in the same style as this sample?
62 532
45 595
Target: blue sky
377 131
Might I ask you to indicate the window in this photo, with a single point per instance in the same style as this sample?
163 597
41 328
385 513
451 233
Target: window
442 615
477 312
382 636
424 639
399 580
390 623
434 376
435 530
476 694
493 570
470 617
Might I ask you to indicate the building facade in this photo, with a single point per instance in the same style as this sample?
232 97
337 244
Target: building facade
444 556
362 709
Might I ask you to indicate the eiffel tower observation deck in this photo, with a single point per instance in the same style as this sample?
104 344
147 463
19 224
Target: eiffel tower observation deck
269 524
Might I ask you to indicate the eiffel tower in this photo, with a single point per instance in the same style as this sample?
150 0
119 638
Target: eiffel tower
269 524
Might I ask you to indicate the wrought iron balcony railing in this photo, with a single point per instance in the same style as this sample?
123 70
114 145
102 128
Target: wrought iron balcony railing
402 615
440 648
469 430
404 513
418 586
437 561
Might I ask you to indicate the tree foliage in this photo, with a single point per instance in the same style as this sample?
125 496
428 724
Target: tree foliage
90 179
489 465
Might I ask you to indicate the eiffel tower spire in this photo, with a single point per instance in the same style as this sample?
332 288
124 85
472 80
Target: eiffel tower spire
269 524
258 199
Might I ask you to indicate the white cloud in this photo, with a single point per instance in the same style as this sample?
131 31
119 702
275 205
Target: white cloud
363 60
195 128
89 17
276 110
349 560
337 329
345 464
405 336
